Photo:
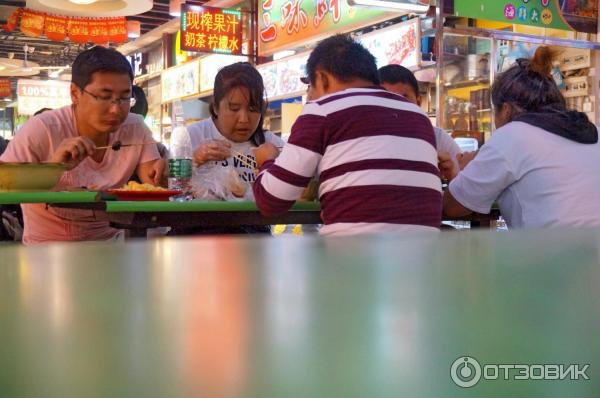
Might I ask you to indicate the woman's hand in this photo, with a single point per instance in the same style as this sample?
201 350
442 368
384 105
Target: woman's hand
214 150
73 150
448 166
265 152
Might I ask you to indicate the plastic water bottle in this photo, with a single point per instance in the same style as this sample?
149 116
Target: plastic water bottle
180 161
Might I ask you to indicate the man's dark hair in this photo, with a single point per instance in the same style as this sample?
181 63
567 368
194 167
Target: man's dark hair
98 59
393 74
344 58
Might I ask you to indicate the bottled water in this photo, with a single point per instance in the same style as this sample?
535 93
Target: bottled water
180 160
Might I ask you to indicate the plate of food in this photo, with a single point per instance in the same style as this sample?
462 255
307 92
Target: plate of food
136 191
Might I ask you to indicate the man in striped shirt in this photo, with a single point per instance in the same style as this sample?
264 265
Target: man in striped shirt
373 151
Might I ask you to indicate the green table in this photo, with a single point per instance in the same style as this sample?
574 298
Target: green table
13 198
299 317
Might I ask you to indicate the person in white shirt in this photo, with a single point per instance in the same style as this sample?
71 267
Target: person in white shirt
541 165
227 140
236 125
400 80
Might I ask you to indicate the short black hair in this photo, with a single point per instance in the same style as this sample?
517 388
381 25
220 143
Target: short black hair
393 74
344 58
98 59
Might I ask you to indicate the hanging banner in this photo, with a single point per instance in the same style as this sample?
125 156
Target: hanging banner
78 30
98 30
55 27
12 21
289 23
211 30
117 29
32 23
581 16
5 90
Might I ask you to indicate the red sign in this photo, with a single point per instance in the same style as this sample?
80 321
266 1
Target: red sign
211 30
55 27
117 30
98 31
79 30
5 88
32 23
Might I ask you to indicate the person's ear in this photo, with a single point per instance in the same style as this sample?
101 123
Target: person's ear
419 99
213 112
75 93
325 80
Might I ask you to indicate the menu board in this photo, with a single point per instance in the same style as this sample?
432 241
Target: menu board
180 81
399 44
282 77
33 95
211 65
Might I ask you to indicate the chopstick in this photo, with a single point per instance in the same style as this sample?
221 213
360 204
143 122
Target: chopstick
117 145
246 159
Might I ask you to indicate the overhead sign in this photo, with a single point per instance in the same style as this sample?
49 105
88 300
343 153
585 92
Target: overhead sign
289 23
33 95
579 16
211 30
139 62
5 88
180 81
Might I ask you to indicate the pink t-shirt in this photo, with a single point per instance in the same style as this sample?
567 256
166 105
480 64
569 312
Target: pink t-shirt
37 141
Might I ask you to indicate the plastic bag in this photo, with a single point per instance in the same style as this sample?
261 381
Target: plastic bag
212 181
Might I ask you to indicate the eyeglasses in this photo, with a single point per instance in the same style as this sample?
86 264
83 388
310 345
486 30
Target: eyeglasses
121 102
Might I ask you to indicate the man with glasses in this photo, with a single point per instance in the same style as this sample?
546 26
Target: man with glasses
98 117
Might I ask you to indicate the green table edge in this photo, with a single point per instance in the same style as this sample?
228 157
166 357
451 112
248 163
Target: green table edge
12 198
196 206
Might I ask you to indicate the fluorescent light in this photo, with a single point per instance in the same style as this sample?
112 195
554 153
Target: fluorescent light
82 1
283 54
399 5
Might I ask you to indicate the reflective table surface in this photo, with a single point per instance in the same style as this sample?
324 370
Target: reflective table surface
300 317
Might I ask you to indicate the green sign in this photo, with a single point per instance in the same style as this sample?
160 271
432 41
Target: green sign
540 13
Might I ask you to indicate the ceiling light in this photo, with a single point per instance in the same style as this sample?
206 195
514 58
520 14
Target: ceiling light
133 29
394 5
175 7
82 1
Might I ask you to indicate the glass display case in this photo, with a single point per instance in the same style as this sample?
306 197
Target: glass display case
464 84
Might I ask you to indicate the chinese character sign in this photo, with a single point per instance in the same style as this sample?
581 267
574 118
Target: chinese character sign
285 23
580 16
211 30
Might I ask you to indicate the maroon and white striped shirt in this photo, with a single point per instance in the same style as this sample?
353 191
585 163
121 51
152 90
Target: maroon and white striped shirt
375 157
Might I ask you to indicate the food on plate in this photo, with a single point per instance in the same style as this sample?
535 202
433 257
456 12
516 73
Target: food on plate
136 186
236 185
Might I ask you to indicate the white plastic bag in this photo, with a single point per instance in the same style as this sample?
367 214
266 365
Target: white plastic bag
212 181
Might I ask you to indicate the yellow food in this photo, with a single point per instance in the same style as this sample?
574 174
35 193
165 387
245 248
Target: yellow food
136 186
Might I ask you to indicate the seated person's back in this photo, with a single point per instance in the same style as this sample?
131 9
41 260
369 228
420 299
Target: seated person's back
374 152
